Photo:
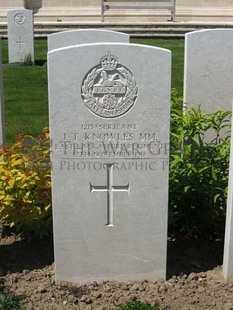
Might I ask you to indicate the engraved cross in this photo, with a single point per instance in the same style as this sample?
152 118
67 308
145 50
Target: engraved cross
109 189
20 43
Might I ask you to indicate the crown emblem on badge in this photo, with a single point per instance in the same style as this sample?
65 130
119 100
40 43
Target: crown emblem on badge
109 62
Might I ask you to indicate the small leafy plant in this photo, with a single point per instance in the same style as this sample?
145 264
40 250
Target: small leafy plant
198 171
198 177
10 302
137 305
27 61
25 185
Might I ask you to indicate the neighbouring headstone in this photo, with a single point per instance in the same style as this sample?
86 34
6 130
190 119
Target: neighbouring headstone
83 36
20 36
228 244
2 115
109 123
208 78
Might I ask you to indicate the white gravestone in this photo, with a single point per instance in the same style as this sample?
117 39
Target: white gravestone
2 115
228 244
20 35
208 78
109 121
83 36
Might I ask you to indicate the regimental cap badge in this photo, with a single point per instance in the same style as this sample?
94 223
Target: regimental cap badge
109 89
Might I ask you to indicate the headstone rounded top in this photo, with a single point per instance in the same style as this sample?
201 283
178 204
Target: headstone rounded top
84 36
208 31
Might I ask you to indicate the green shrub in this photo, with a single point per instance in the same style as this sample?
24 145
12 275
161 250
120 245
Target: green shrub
137 305
198 177
198 171
25 183
10 302
27 61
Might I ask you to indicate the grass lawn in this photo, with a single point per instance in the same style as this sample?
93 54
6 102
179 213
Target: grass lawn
26 94
25 87
176 46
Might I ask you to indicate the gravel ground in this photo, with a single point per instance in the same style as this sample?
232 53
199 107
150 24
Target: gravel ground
194 279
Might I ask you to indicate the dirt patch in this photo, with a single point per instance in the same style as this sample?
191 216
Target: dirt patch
194 279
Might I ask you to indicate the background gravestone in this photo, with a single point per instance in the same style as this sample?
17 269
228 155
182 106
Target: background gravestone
20 35
2 115
208 78
228 244
109 123
74 37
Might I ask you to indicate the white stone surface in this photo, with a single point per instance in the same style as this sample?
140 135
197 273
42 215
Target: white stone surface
76 3
110 135
20 35
74 37
89 11
2 115
208 78
61 3
228 245
12 3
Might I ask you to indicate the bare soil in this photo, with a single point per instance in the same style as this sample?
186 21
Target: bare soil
194 279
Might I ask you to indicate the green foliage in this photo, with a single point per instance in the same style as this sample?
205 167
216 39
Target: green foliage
198 176
27 61
25 182
10 302
198 171
137 305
